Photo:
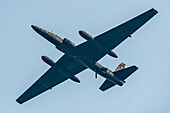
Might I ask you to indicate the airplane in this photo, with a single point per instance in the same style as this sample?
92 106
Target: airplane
86 55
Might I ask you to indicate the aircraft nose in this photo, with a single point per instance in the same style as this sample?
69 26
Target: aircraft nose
34 27
37 29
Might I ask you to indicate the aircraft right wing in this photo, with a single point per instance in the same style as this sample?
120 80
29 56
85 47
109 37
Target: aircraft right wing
115 36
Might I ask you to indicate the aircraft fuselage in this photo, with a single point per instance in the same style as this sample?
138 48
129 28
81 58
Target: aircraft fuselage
69 48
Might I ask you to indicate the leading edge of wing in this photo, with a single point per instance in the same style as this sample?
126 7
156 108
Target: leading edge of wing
112 38
53 77
115 36
45 82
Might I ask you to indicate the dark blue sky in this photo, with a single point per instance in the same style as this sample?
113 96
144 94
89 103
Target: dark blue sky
146 91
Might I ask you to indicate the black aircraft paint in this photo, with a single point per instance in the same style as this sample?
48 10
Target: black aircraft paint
86 55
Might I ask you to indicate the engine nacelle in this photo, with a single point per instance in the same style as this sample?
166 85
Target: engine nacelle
48 60
75 79
85 35
68 43
89 37
111 53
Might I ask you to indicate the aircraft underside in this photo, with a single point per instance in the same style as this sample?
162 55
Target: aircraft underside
86 55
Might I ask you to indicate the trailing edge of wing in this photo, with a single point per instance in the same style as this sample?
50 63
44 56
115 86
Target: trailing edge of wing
45 82
112 38
52 77
115 36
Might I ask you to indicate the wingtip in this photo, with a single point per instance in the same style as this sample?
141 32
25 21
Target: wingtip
155 11
18 101
135 67
32 26
101 89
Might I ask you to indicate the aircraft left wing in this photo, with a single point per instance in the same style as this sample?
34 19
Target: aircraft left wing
45 82
52 77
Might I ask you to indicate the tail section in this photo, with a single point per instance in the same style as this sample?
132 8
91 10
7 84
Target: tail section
120 66
121 73
124 73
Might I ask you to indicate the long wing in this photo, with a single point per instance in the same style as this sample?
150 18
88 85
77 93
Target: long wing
115 36
52 77
47 81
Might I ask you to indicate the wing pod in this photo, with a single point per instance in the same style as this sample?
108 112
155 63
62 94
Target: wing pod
75 79
99 45
85 35
66 46
112 54
68 43
48 60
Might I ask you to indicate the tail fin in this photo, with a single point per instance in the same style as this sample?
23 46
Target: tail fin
121 66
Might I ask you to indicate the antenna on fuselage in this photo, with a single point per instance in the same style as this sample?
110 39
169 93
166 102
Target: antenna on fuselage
96 75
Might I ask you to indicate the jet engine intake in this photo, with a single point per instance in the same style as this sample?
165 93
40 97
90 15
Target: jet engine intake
68 43
104 69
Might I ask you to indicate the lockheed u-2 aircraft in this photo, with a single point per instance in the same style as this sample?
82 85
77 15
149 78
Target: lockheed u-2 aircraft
83 56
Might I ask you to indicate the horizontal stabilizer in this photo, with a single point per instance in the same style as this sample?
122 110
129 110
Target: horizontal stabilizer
120 74
124 73
106 85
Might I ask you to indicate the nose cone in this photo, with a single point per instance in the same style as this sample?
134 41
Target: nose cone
54 39
33 26
37 29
